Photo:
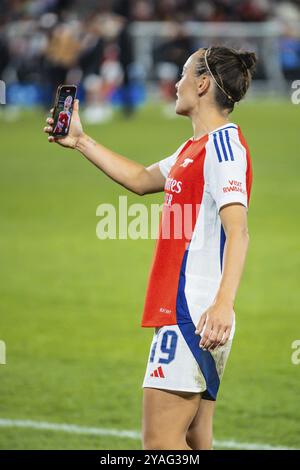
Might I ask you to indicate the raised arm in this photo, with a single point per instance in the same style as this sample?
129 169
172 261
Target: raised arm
128 173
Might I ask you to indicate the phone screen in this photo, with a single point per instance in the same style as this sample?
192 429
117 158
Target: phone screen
63 110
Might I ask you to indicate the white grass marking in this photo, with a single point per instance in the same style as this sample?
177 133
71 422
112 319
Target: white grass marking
92 431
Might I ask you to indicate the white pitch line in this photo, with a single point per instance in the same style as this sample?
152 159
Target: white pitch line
91 431
70 428
234 445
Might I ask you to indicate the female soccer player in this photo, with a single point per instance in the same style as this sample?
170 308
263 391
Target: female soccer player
64 117
194 277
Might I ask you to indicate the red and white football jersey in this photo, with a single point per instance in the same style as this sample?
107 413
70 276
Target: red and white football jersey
201 176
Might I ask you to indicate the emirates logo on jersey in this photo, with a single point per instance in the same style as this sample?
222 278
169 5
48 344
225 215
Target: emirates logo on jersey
173 185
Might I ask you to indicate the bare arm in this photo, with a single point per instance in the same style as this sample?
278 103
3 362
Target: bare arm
130 174
218 318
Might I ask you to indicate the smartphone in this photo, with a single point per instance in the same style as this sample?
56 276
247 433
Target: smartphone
63 108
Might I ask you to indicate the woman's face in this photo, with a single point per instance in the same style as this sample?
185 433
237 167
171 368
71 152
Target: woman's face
188 87
67 103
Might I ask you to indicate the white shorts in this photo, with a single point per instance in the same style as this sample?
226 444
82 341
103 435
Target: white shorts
176 362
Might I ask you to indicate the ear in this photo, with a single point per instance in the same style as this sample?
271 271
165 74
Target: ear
203 84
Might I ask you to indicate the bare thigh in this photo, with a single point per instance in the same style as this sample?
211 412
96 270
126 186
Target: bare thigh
200 432
167 416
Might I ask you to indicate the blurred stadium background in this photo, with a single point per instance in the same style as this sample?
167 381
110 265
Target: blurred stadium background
70 303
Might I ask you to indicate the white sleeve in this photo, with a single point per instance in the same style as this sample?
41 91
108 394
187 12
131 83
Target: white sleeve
166 164
225 169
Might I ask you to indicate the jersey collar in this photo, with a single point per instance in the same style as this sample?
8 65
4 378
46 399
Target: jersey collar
225 126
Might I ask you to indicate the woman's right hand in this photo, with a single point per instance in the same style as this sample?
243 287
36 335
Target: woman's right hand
75 130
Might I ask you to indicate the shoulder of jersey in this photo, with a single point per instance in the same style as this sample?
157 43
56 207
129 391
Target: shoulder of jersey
224 145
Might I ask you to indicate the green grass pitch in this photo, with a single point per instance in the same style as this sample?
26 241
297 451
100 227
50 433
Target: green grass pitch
71 304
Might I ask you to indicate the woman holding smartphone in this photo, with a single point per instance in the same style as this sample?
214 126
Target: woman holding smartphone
194 278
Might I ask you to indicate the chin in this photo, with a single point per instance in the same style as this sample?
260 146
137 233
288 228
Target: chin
180 110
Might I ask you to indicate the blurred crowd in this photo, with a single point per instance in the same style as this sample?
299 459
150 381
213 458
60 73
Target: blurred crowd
88 42
157 10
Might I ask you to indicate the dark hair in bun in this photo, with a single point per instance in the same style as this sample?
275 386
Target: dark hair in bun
231 70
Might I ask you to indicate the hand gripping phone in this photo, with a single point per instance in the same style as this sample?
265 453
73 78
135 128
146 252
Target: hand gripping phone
63 109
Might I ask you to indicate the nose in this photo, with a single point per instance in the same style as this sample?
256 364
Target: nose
176 85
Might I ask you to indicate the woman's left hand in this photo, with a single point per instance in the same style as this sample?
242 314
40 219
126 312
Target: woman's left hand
217 322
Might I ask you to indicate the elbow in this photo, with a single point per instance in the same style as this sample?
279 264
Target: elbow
238 232
247 238
135 188
139 191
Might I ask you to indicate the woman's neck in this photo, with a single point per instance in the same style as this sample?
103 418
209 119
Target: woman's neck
203 123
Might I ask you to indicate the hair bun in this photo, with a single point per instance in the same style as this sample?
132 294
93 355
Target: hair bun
249 61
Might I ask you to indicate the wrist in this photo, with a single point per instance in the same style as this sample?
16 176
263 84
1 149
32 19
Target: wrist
82 142
224 298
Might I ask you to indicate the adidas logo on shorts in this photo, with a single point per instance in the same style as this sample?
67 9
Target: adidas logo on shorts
158 373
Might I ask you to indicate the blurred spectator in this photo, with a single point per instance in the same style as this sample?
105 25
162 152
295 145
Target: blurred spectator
126 59
4 55
170 57
287 11
113 57
290 56
61 54
92 45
